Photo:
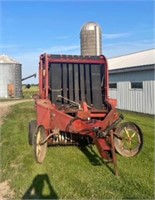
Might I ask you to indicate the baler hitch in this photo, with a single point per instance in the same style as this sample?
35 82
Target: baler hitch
106 132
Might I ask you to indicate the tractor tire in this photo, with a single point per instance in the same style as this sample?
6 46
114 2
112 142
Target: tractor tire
32 128
40 148
128 141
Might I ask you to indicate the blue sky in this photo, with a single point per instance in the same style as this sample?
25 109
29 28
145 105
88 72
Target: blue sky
32 27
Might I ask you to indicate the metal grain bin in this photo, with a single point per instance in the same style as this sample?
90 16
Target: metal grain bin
91 39
10 78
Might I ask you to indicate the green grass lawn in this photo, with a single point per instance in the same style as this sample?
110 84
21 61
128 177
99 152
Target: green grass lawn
69 173
27 93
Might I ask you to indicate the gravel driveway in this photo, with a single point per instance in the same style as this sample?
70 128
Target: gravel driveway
5 191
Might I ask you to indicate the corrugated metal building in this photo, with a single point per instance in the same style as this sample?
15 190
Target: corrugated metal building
132 81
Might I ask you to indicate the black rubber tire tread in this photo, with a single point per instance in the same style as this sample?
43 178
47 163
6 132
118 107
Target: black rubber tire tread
117 141
32 128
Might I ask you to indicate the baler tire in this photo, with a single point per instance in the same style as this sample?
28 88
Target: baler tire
32 128
40 149
130 139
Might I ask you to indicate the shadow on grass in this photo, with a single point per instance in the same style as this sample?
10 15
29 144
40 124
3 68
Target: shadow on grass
94 158
36 190
89 152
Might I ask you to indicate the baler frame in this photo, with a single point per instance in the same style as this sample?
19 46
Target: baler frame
72 108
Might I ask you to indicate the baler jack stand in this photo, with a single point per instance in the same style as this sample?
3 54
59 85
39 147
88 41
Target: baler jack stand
114 158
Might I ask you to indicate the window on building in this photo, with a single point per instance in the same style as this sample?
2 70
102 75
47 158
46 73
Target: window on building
136 85
113 85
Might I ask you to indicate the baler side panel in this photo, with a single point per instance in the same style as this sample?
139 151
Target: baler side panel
43 116
76 83
64 81
55 81
96 86
82 83
70 82
88 84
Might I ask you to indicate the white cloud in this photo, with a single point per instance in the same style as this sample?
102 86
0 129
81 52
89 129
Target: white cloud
63 49
8 46
122 48
115 35
30 60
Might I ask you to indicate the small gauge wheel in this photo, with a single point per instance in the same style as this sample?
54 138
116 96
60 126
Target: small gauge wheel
40 148
128 139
